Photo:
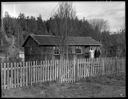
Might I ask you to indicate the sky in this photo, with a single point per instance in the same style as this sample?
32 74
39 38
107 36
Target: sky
112 12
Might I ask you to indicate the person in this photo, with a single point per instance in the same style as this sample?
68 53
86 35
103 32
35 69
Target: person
97 53
91 53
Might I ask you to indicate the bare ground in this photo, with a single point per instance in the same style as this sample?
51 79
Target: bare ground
102 86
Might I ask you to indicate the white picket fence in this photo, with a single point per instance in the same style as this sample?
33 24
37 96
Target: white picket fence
21 74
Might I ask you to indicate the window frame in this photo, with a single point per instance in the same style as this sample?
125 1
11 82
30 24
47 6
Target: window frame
80 48
56 51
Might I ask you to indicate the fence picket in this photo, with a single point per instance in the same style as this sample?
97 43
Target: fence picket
55 69
55 65
8 76
50 70
26 73
37 65
84 69
33 67
17 76
36 68
77 69
81 69
22 68
29 81
20 74
23 73
38 71
53 76
11 80
46 70
34 64
5 76
14 68
43 73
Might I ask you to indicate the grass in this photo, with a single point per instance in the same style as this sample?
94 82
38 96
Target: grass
102 86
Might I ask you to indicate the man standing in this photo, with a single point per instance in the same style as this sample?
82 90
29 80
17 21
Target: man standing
97 53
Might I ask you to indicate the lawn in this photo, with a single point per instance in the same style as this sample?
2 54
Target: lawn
102 86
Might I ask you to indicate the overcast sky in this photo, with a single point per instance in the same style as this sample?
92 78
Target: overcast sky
113 12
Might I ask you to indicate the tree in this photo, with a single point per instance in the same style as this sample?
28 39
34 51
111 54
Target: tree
99 24
62 18
22 21
41 28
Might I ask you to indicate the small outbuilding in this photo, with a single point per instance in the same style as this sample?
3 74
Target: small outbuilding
44 47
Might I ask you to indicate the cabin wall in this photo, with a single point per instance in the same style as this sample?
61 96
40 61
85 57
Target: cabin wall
47 52
32 50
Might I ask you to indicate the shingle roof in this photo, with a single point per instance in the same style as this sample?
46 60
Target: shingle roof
82 41
52 40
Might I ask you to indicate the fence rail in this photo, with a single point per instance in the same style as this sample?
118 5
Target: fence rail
27 73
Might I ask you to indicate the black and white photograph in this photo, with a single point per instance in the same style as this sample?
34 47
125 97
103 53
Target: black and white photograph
63 49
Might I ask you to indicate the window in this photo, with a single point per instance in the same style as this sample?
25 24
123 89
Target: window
56 51
78 50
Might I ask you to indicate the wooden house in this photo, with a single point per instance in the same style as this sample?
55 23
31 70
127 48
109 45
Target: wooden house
43 47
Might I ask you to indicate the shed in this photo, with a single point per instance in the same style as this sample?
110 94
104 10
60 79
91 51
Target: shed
45 46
